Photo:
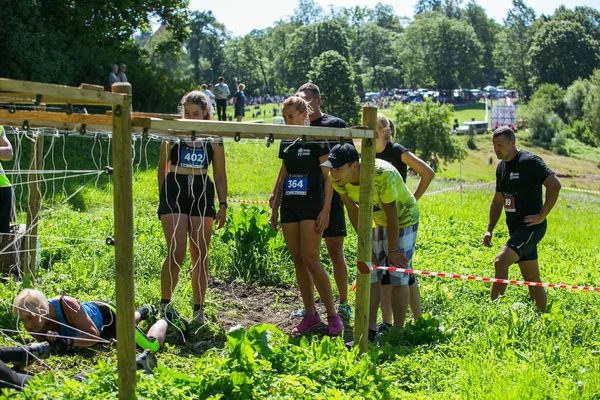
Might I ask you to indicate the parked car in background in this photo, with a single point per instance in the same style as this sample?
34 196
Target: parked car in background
371 96
477 126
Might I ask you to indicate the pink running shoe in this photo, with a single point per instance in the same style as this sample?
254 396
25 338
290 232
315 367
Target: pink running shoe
336 327
308 321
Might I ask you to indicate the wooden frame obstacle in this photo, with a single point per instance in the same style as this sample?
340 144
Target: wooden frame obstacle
122 122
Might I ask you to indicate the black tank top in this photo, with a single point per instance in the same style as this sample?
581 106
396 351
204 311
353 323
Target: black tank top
198 155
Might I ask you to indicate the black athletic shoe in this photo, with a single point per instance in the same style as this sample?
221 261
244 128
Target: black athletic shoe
179 324
146 311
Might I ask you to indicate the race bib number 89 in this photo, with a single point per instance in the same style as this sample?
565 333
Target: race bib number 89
509 204
192 159
296 185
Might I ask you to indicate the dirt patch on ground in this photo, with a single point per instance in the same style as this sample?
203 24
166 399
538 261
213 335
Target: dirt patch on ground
246 305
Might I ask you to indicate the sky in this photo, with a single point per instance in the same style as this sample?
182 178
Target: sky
242 16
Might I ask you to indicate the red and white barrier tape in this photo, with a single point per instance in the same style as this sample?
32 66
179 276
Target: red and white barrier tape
450 189
582 190
493 280
247 201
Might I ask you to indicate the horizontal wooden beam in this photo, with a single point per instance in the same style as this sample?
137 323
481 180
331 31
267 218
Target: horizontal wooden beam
12 91
39 119
182 127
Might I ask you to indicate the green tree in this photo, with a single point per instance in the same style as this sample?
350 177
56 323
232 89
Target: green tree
378 60
299 45
205 45
385 16
424 127
591 105
562 51
443 51
76 43
246 63
450 8
308 12
486 30
512 48
545 112
575 97
335 77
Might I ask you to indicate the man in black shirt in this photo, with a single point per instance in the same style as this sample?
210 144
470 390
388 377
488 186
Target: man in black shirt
336 231
519 179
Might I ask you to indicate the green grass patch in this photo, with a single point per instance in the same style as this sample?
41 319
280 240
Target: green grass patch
466 347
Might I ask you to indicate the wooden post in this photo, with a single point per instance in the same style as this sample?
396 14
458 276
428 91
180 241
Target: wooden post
33 207
123 235
365 233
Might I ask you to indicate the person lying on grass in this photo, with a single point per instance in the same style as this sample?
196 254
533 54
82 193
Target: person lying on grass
396 217
86 324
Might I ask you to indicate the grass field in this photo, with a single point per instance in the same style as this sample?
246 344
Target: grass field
465 347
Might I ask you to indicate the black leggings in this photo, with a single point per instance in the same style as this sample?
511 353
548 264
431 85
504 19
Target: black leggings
8 377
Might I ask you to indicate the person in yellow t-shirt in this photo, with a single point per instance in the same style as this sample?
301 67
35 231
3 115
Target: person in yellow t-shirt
6 154
396 218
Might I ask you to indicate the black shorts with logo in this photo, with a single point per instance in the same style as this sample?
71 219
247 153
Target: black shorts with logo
337 221
524 239
193 195
296 213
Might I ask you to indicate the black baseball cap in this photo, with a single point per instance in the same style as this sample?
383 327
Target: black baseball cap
340 155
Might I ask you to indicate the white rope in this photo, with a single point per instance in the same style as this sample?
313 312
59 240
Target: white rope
25 349
60 177
50 171
61 336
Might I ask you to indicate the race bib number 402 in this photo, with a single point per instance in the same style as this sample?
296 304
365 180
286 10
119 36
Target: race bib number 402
192 158
296 185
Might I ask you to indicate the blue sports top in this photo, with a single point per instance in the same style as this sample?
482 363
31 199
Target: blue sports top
90 309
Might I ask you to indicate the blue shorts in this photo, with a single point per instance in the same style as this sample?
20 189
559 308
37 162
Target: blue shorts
407 238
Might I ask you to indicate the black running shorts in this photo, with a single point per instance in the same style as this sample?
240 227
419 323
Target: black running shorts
192 195
337 221
524 239
296 213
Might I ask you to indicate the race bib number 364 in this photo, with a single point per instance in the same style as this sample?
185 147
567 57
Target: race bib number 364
296 185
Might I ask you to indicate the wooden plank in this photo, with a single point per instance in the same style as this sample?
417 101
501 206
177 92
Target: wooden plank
365 232
88 119
57 94
254 131
123 214
137 114
180 127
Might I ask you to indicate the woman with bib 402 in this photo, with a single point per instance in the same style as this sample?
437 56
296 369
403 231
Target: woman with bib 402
187 207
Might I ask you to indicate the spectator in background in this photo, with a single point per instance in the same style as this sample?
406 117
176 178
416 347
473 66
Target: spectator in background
112 76
221 95
212 99
121 73
239 99
211 96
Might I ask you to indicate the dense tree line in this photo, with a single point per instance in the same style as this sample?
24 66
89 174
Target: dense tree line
446 45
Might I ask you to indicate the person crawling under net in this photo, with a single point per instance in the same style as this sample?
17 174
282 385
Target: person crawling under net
63 323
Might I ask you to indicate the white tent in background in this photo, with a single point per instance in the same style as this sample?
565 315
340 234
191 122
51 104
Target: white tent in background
490 89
